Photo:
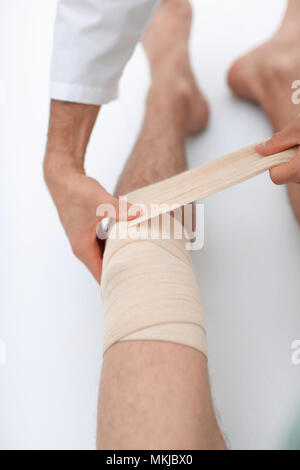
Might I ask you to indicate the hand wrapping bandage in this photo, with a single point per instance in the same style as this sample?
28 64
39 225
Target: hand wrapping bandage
150 291
149 287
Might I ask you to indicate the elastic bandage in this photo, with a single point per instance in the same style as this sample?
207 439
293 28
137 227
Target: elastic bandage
149 287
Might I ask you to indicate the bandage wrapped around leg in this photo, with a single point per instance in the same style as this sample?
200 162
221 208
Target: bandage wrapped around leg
150 291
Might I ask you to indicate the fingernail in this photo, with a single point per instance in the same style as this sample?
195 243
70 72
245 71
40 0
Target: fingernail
261 146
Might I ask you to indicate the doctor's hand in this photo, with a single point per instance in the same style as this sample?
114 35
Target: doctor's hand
77 196
283 140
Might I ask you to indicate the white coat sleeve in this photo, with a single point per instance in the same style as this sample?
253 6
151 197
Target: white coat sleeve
93 41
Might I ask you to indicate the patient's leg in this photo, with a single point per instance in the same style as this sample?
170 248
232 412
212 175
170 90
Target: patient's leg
156 395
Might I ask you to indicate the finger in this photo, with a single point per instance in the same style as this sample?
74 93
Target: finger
126 211
89 253
92 258
118 209
287 173
283 140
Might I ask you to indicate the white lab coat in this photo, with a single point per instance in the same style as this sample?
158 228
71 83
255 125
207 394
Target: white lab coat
93 41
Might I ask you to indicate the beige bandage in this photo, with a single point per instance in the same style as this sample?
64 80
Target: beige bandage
205 180
149 287
150 291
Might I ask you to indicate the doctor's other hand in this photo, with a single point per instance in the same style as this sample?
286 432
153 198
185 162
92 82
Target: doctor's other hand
283 140
77 198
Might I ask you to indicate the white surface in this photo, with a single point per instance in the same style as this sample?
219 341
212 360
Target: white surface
249 270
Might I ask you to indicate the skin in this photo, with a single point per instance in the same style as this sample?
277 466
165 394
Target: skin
288 173
156 395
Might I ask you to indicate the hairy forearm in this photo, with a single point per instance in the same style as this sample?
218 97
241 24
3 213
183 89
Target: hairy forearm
70 128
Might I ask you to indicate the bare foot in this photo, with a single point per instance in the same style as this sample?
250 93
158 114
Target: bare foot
166 45
266 75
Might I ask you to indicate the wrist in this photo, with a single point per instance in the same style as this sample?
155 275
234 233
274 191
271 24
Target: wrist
57 166
59 173
70 128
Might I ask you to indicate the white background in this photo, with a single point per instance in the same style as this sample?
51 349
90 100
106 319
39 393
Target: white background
249 270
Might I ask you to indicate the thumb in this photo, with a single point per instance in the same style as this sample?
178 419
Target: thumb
283 140
118 209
